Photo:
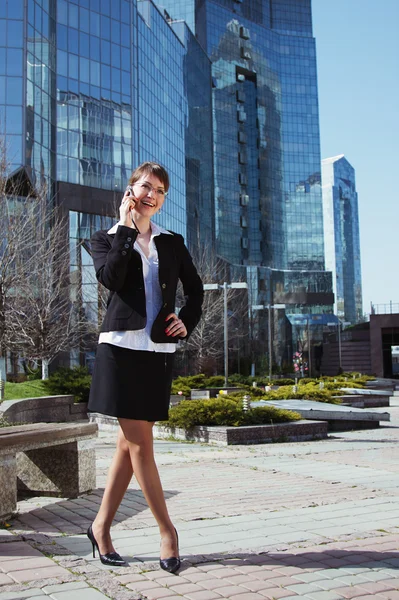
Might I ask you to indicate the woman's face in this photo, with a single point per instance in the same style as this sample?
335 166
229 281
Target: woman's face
149 192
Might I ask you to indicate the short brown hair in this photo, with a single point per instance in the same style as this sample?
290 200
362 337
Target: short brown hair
152 168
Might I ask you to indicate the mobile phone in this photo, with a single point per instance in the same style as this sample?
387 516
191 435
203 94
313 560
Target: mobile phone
130 190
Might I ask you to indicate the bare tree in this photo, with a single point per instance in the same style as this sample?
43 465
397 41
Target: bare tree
44 319
17 246
37 316
206 342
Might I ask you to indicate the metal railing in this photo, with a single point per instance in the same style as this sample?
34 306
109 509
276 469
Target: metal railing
384 309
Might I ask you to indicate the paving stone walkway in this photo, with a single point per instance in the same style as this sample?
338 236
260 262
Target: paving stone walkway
315 520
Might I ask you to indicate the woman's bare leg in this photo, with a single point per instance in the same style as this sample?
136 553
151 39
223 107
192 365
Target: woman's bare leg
138 435
119 476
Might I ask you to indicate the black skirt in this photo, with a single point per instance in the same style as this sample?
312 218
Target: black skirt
131 384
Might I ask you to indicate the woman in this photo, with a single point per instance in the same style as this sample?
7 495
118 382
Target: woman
140 263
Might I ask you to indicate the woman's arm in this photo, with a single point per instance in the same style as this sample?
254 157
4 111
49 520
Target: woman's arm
191 312
111 256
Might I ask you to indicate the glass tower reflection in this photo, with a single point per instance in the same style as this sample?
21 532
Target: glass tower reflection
341 236
268 201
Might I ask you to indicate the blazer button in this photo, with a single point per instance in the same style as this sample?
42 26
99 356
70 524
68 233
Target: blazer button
127 246
163 286
124 252
129 239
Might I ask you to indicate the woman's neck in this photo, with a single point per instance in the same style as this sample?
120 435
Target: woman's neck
144 225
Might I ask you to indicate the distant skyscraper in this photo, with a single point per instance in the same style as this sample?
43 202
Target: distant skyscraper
341 236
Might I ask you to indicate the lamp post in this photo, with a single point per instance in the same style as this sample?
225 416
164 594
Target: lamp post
269 319
226 286
339 346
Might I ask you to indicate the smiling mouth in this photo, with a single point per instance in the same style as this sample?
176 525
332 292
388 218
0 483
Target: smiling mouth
147 203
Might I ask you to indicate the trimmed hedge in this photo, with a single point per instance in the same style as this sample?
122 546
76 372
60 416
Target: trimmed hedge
74 381
224 412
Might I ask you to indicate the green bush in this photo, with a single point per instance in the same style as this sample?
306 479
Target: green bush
283 381
267 415
74 381
306 380
180 387
238 378
223 411
304 392
215 381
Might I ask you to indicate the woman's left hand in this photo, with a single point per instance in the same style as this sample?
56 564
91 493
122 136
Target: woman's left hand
176 328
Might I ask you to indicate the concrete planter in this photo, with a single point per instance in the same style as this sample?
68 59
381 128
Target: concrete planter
369 401
295 431
47 409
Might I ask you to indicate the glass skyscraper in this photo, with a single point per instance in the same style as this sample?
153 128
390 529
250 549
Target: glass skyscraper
222 92
267 172
341 236
91 88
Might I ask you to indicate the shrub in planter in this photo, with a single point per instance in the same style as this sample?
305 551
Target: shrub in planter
216 411
329 385
304 392
237 378
283 381
223 412
74 381
306 380
180 387
268 415
215 381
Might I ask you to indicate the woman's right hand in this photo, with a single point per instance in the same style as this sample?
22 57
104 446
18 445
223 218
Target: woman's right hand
127 205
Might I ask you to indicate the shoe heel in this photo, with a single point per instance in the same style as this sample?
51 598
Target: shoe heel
91 538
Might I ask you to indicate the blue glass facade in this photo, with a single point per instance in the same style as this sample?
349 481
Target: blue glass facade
227 102
162 108
198 140
341 236
268 200
94 92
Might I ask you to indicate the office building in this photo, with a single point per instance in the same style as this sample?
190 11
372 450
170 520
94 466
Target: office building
222 92
341 236
268 199
91 88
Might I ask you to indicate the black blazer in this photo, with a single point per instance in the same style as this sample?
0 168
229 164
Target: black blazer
120 269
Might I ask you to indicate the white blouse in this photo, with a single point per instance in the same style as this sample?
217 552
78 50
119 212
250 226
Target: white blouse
141 338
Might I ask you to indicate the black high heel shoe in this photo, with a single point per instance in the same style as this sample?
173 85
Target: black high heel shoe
172 564
112 559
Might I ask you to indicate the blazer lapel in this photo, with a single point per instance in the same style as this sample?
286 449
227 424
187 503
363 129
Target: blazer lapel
166 256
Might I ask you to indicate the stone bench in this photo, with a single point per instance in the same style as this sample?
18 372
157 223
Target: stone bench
47 459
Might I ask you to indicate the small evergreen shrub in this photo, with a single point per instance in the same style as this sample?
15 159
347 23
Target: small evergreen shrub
283 381
215 381
33 374
178 387
268 415
237 378
224 411
306 380
74 381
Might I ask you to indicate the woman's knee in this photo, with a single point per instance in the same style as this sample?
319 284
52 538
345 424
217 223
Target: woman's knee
122 444
137 437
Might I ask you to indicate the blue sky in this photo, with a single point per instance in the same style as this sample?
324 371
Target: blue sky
357 45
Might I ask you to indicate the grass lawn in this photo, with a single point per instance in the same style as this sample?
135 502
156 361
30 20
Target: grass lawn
27 389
